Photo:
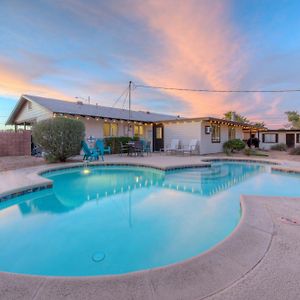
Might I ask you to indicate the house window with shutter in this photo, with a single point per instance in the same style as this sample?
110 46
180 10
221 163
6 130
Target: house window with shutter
270 138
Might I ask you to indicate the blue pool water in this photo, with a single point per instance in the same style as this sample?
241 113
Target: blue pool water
113 220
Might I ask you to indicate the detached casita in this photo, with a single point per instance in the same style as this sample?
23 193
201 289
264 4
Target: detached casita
289 137
159 129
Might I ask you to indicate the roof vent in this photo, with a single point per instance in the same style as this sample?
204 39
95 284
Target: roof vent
178 117
148 112
79 102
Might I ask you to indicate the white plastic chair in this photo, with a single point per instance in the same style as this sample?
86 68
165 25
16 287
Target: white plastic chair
173 147
191 148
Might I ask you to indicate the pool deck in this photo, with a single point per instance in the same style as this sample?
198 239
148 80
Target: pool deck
259 260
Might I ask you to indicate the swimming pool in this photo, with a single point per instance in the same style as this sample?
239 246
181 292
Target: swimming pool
119 219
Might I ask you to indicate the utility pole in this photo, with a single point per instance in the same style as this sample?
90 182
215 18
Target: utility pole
129 107
129 99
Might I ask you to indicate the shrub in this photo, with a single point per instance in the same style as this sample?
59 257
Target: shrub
233 145
279 147
59 137
114 142
295 151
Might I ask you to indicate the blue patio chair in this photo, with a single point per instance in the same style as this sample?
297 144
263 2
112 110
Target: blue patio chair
88 153
101 150
100 144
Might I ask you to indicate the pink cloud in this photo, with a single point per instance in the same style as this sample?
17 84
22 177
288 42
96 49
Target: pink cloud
201 48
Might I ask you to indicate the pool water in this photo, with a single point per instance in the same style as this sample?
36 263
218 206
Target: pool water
119 219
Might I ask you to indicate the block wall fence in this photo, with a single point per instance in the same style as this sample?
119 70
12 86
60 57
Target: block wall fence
15 143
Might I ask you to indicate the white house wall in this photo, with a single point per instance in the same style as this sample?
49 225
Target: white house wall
34 114
207 147
184 131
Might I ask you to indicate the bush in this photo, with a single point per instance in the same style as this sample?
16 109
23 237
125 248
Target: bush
295 151
59 137
279 147
233 145
114 142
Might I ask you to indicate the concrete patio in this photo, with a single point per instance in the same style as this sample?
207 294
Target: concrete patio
259 260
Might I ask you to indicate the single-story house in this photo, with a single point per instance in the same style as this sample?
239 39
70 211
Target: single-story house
159 129
289 137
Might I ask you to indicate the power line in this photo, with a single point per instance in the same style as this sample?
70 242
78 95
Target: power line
118 99
125 99
214 91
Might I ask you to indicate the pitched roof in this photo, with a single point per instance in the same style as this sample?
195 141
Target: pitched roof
79 108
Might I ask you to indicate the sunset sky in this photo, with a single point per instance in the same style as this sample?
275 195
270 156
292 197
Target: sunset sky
82 48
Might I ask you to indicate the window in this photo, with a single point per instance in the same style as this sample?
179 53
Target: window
113 129
298 138
207 129
231 133
138 130
215 134
106 129
110 129
159 133
270 138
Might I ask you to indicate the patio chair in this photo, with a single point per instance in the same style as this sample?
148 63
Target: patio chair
173 148
138 148
147 147
101 150
191 148
100 144
89 154
123 149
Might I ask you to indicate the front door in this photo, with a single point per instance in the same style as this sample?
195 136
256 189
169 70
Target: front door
158 137
290 140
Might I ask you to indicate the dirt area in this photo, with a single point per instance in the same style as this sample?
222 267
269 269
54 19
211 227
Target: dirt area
18 162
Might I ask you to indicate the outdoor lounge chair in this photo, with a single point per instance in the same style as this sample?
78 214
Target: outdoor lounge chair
101 150
89 154
191 148
173 148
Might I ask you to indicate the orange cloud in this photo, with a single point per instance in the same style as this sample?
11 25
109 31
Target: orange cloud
14 84
200 50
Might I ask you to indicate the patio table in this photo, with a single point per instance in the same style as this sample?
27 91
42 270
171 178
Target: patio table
133 148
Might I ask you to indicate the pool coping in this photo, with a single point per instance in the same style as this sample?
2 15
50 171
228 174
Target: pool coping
196 278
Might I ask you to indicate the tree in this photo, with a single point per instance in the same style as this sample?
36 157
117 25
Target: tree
294 119
232 115
241 119
59 137
259 124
